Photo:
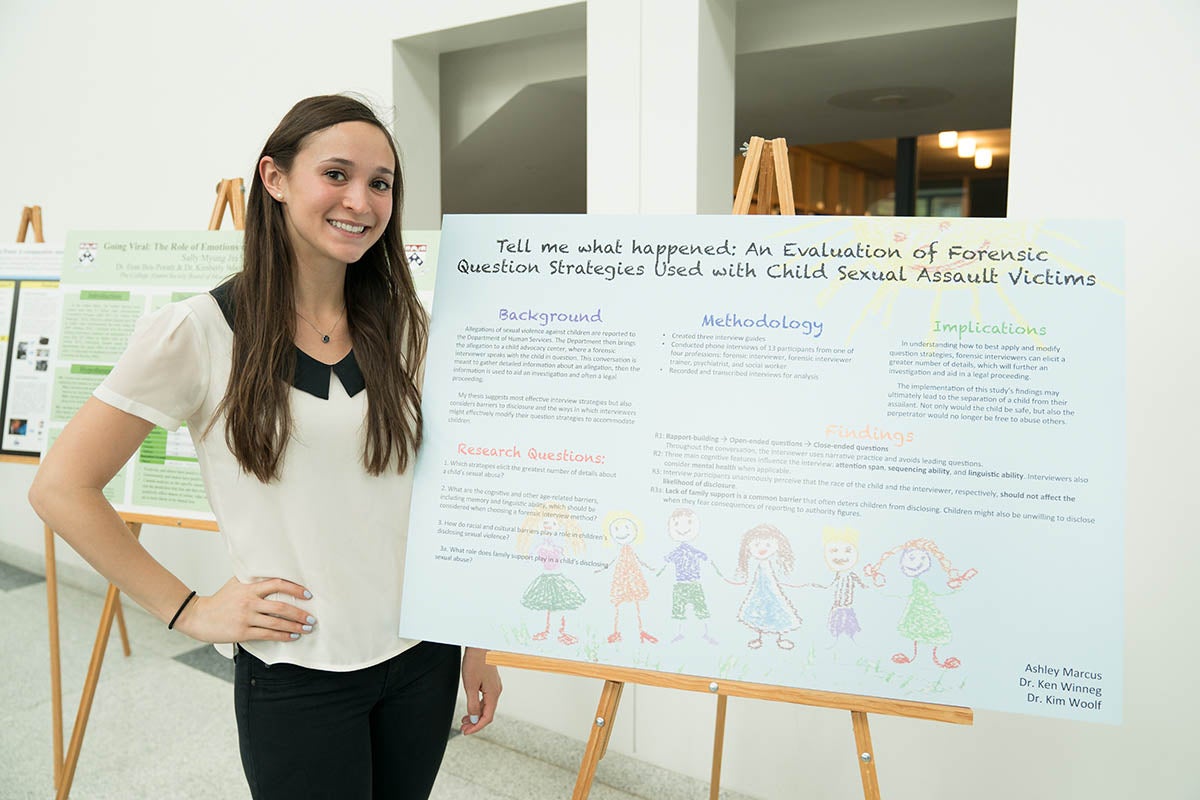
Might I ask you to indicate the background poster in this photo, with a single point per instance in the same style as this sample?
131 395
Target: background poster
109 281
868 455
421 247
28 327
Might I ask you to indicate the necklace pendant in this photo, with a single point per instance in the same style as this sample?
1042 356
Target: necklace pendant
325 338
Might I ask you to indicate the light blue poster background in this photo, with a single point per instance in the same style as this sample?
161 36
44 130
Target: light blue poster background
947 395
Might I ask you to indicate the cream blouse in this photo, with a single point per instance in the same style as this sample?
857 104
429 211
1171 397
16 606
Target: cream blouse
325 524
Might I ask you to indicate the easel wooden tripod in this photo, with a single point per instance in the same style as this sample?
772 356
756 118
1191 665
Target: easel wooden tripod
767 166
31 216
229 193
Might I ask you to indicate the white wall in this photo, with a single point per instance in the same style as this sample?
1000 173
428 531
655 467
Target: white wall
1105 136
125 115
143 112
774 24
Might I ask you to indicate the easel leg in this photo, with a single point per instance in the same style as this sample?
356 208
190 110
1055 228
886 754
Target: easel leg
866 755
112 600
714 788
89 692
121 628
597 744
55 663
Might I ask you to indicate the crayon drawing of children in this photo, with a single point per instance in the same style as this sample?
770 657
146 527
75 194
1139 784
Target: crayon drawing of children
766 609
628 580
683 526
841 554
549 531
922 621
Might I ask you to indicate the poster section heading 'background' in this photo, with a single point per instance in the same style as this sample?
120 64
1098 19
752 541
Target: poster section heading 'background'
866 455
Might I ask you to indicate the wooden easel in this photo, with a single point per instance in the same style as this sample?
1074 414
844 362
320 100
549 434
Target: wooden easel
64 767
767 166
31 216
229 193
615 679
772 174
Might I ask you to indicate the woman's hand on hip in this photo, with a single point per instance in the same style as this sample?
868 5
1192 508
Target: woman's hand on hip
241 612
481 682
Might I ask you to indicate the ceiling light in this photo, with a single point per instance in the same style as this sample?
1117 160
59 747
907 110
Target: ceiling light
983 158
966 148
947 139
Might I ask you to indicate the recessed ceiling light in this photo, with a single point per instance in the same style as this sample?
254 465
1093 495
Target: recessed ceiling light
948 139
983 158
891 98
966 147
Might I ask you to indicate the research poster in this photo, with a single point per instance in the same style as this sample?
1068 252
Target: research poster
110 280
421 247
867 455
29 303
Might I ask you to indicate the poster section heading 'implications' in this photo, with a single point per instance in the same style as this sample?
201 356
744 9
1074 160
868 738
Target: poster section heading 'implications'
829 453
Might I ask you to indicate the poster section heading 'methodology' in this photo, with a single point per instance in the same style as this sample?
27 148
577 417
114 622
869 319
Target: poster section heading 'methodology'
29 303
110 280
866 455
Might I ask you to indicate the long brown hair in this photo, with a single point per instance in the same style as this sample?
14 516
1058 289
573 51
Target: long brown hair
783 549
387 323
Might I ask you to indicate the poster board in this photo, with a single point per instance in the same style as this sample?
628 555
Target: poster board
110 280
29 307
900 441
421 249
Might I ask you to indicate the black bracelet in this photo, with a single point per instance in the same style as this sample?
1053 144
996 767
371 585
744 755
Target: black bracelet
186 600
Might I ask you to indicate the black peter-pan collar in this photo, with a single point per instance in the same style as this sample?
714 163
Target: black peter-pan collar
311 376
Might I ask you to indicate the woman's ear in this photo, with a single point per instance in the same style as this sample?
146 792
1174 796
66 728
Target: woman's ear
274 179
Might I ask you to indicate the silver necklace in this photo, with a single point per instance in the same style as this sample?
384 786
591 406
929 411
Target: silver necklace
323 334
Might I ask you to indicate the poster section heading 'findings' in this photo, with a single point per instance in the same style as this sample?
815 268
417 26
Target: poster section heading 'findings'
29 302
865 455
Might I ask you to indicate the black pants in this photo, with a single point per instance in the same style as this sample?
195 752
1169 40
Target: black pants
370 734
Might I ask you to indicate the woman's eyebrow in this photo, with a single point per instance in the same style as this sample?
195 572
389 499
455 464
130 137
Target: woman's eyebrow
345 162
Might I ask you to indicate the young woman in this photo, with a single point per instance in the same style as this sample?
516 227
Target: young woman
299 382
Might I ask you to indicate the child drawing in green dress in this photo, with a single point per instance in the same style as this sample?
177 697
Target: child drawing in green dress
549 531
922 621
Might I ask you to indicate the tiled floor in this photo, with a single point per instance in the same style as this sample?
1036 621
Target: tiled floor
162 725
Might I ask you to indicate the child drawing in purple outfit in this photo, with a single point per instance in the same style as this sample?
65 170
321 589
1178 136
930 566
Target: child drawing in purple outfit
683 526
841 554
765 608
547 530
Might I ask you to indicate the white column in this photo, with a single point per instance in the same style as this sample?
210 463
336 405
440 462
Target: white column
660 106
415 88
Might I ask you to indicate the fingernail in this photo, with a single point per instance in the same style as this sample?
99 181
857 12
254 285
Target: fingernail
295 635
307 594
310 619
307 628
474 719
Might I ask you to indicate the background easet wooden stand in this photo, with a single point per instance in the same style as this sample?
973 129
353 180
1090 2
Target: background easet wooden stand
767 166
230 194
